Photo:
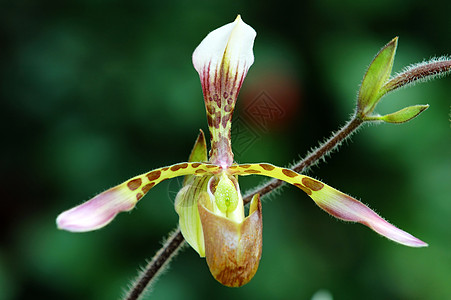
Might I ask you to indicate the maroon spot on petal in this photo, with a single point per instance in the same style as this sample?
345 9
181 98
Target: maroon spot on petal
225 120
225 95
200 171
210 109
211 166
210 119
216 120
139 196
147 187
267 167
175 168
165 169
217 100
195 165
134 184
312 184
179 166
252 171
228 108
305 189
153 175
245 166
289 173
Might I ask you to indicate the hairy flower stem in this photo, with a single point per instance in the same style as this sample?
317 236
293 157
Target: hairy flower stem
170 248
175 240
313 157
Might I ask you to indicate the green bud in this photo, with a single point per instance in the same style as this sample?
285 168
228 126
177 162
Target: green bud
401 116
376 76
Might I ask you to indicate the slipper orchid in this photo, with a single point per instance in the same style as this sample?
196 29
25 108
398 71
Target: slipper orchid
210 205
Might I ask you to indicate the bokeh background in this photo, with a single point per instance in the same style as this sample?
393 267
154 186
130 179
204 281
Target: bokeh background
95 92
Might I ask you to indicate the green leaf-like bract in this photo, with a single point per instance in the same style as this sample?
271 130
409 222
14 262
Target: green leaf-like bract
401 116
377 74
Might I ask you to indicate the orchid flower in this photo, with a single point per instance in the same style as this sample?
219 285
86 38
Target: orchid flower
210 205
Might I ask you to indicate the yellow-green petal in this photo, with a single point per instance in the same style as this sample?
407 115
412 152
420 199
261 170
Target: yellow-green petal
332 201
186 207
101 210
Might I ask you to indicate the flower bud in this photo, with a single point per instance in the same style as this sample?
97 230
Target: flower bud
401 116
376 76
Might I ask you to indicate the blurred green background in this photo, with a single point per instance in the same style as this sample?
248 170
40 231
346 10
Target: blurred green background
95 92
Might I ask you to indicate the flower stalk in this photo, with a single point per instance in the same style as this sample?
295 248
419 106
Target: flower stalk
154 268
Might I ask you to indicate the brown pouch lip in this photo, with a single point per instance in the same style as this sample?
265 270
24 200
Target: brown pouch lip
233 250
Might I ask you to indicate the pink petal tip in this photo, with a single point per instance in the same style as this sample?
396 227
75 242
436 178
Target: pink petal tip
97 212
347 208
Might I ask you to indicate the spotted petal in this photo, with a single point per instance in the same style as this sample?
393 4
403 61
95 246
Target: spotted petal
222 60
334 202
101 210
